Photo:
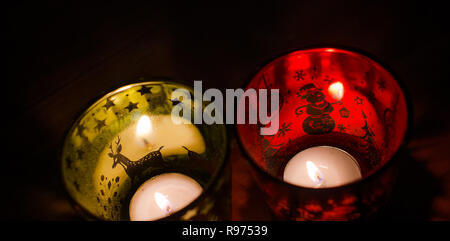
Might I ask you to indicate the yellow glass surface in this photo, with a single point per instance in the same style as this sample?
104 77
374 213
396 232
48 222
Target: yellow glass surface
104 190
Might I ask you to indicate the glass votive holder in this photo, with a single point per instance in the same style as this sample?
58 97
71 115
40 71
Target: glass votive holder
127 158
342 119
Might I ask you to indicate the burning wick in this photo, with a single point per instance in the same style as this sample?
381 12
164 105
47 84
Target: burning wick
314 173
163 202
144 129
321 167
162 195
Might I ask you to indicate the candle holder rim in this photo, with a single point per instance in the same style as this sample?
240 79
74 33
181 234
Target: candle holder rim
341 49
91 104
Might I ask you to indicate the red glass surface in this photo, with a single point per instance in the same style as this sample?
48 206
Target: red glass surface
328 97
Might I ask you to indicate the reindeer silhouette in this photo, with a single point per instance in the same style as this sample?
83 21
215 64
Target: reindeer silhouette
134 169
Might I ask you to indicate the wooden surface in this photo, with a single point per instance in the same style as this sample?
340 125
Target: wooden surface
62 56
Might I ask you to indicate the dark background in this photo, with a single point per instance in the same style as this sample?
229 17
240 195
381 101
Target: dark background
61 56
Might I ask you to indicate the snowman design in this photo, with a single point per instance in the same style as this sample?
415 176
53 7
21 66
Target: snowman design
319 120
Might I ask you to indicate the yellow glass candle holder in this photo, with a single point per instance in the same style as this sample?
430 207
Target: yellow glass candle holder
126 138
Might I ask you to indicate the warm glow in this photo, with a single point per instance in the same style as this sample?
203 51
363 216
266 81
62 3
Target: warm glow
144 126
162 195
336 90
123 88
162 202
314 173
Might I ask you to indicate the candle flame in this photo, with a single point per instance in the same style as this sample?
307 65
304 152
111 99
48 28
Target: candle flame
144 126
314 173
336 90
162 202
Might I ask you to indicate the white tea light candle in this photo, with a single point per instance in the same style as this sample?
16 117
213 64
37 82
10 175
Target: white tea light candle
163 195
320 167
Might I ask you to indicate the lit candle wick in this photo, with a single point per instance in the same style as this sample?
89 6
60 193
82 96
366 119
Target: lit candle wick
314 173
162 195
163 202
322 167
147 144
144 129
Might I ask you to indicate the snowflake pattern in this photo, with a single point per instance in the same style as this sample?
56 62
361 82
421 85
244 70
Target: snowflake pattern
283 129
299 75
341 128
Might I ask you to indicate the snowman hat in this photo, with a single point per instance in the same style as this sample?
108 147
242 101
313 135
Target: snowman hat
307 89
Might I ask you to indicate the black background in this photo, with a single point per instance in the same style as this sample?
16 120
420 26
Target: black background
61 56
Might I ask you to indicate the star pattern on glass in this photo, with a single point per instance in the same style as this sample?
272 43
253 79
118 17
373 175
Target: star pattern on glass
145 90
131 106
283 129
299 75
109 103
358 100
100 124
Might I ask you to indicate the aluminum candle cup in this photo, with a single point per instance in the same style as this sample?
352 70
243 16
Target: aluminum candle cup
124 158
342 117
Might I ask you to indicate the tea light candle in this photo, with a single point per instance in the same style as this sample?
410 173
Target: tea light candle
129 136
320 167
163 195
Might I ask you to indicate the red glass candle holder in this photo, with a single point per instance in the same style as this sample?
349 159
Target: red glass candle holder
328 97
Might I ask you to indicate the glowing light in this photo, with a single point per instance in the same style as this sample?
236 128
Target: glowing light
144 130
162 202
144 126
322 167
336 90
163 195
330 50
314 173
